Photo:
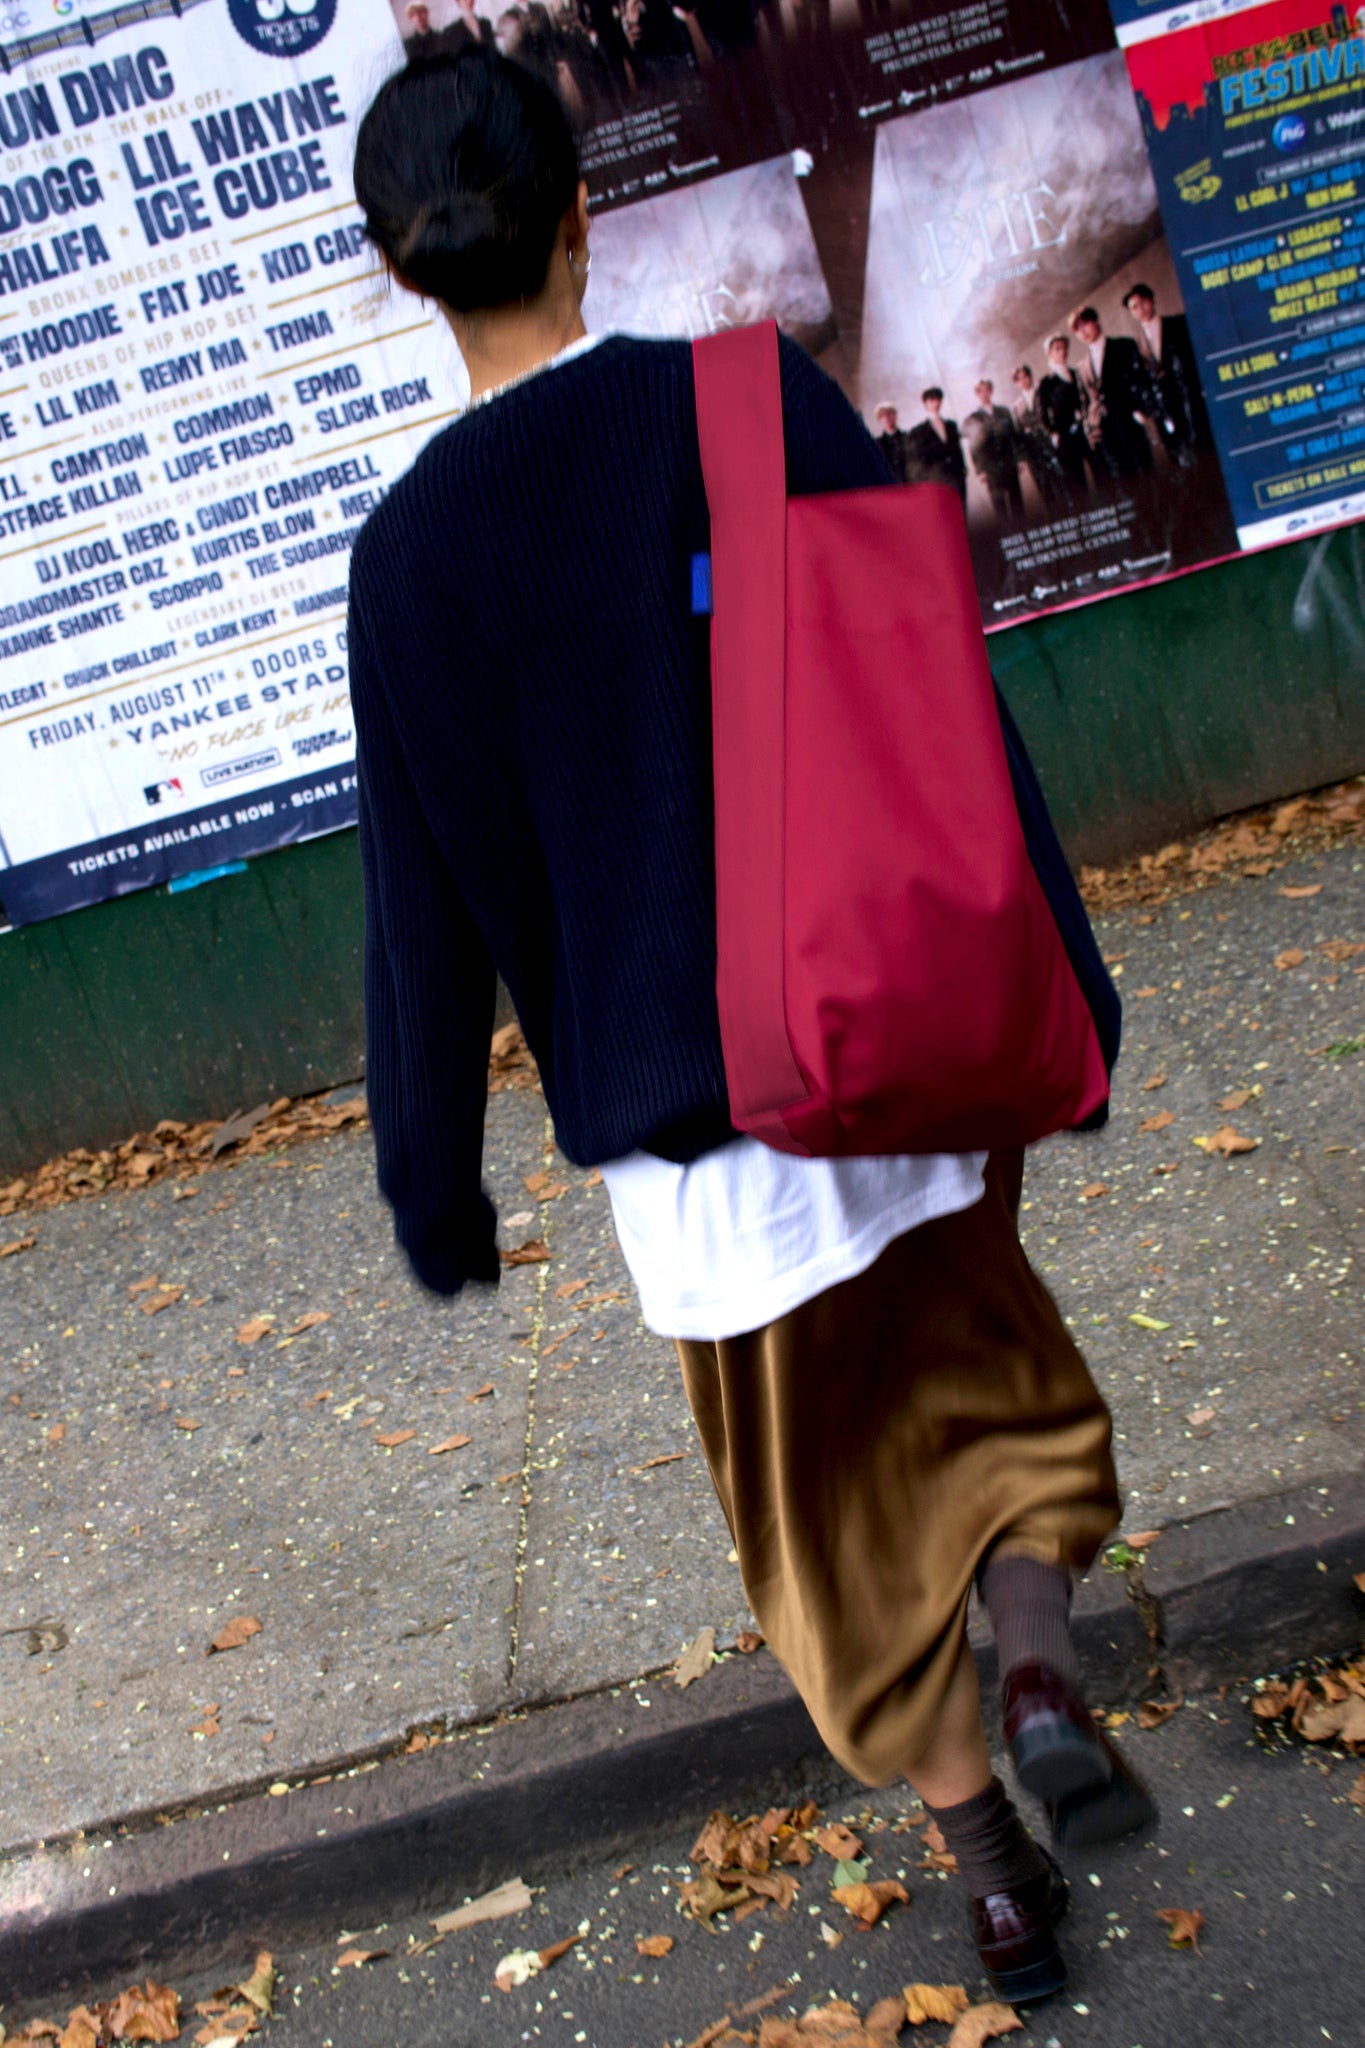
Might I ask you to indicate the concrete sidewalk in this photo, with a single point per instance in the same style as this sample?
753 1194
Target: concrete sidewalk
162 1478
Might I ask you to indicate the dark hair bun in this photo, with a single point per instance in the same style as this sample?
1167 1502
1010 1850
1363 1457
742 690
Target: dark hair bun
465 166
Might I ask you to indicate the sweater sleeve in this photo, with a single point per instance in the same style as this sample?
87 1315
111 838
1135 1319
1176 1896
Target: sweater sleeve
430 989
828 446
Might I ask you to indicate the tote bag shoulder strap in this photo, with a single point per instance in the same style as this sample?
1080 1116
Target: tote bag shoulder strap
739 427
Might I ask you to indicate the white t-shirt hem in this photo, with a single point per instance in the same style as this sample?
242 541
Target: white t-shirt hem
953 1182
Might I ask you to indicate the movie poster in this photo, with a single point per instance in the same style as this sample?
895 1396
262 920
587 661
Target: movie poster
1014 252
1255 124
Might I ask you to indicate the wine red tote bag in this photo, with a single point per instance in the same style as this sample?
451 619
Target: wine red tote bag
890 974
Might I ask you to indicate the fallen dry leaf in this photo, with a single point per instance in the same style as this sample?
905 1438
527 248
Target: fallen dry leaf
310 1321
1342 1720
705 1896
82 2029
1292 956
535 1252
836 2025
1153 1713
17 1244
982 2023
1183 1927
512 1897
56 1433
867 1902
718 1843
924 2002
253 1331
1199 1417
557 1949
1277 1698
839 1842
1143 993
352 1958
720 2034
1356 1795
696 1660
664 1458
188 1424
773 1884
235 1633
393 1437
227 2027
748 1640
939 1856
1094 1191
149 2013
259 1988
1162 1121
210 1725
790 1847
1227 1141
510 1064
1153 1081
569 1287
165 1297
654 1945
1311 889
481 1393
1143 1540
1238 1099
451 1443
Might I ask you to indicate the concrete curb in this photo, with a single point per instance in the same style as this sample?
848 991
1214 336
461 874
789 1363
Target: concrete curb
1215 1600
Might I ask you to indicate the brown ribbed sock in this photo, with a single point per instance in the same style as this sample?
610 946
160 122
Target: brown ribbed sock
1029 1605
994 1849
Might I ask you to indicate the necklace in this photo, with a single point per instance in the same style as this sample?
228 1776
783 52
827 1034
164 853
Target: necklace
563 355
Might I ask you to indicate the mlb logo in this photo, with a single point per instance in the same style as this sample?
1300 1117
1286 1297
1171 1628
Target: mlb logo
155 791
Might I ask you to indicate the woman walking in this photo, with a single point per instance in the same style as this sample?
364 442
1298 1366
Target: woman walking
889 1402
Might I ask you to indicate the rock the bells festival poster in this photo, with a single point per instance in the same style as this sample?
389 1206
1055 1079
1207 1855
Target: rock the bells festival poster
1099 275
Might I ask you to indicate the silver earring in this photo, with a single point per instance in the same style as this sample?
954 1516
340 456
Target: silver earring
586 263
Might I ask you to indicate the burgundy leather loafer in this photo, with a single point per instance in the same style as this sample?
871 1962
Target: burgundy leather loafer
1053 1739
1087 1820
1091 1793
1015 1938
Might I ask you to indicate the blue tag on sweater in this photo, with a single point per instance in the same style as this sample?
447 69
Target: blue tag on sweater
702 606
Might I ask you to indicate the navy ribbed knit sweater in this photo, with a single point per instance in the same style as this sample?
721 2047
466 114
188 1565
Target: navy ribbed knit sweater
532 707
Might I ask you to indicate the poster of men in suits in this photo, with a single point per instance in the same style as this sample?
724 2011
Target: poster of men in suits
668 93
1017 265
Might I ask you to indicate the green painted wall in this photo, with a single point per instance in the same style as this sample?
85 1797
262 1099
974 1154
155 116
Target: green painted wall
1147 716
187 1006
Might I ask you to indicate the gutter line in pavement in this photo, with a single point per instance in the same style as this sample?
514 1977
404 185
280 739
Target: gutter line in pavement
528 1451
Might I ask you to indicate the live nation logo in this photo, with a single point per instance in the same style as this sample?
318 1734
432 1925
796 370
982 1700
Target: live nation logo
282 28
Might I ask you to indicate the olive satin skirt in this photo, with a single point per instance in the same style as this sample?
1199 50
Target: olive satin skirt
872 1447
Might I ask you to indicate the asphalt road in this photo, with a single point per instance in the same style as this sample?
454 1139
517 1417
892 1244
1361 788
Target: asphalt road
1257 1835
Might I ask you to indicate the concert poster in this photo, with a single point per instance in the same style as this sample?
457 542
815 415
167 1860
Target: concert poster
1255 127
1002 346
668 93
